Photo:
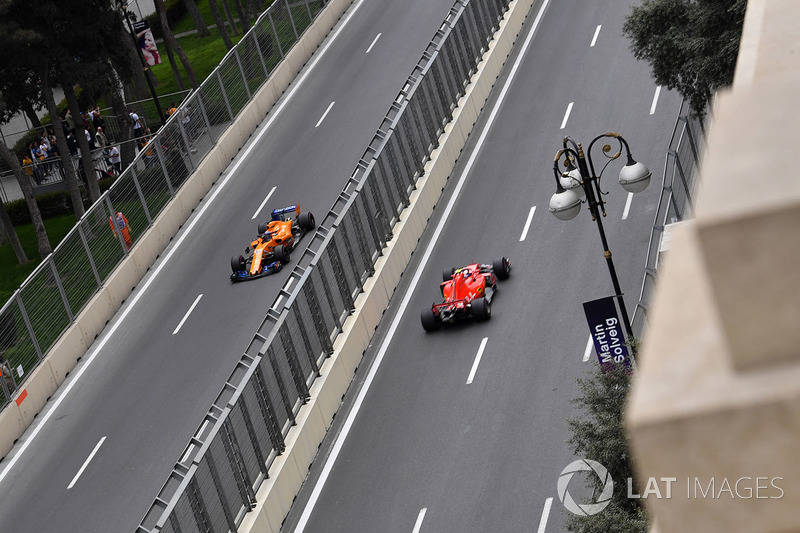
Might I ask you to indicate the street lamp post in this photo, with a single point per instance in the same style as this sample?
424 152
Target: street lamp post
575 182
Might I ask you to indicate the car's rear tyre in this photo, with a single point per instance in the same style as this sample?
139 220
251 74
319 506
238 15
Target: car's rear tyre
481 310
448 274
281 254
237 263
262 227
306 221
502 268
429 320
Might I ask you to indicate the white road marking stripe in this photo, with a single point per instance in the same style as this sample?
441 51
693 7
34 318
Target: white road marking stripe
263 203
86 463
348 423
545 514
527 224
276 113
655 100
627 206
325 114
477 360
596 33
420 518
189 312
373 42
588 350
566 115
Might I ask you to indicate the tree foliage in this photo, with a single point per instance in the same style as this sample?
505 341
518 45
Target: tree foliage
691 45
599 435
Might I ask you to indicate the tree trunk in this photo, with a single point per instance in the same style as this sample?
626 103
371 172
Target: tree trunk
243 16
27 191
229 16
127 149
212 4
197 18
174 65
83 143
169 37
10 233
63 150
32 116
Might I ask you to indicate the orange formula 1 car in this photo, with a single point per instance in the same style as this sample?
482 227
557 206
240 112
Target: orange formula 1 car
271 248
468 293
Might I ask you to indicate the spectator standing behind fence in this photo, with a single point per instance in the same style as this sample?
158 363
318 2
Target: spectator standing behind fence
100 138
122 224
115 159
97 119
150 156
137 124
70 121
27 164
171 110
72 144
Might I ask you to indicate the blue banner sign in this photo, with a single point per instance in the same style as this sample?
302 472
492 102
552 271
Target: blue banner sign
606 330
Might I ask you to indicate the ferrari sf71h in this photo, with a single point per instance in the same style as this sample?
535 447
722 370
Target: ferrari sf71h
468 294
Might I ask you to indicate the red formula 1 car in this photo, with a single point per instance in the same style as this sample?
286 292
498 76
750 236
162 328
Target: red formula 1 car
468 293
271 248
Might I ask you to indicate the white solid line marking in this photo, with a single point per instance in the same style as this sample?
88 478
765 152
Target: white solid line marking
189 312
655 100
188 229
373 42
596 33
588 350
545 514
420 518
477 360
325 114
527 224
263 203
566 115
348 423
86 463
627 206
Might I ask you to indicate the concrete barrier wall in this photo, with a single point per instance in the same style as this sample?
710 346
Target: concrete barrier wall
288 471
78 338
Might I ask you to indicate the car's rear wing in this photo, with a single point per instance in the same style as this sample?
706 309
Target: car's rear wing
280 214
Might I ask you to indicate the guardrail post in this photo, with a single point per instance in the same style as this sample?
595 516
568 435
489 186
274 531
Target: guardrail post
268 412
251 433
294 365
118 231
88 251
28 325
63 294
162 162
307 343
225 96
275 34
291 19
199 510
317 318
241 71
276 370
141 195
236 460
224 503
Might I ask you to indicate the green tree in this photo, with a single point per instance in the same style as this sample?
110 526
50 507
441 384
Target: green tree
691 45
599 435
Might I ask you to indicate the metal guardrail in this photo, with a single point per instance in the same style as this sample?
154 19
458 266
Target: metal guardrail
48 301
214 483
676 202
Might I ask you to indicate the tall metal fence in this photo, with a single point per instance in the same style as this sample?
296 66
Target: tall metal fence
214 483
676 201
48 301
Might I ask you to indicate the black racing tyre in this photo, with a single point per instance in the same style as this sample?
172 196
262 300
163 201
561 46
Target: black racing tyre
448 274
502 268
262 227
237 263
306 221
281 254
429 320
481 310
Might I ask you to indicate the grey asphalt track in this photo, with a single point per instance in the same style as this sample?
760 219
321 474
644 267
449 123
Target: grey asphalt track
485 456
148 389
